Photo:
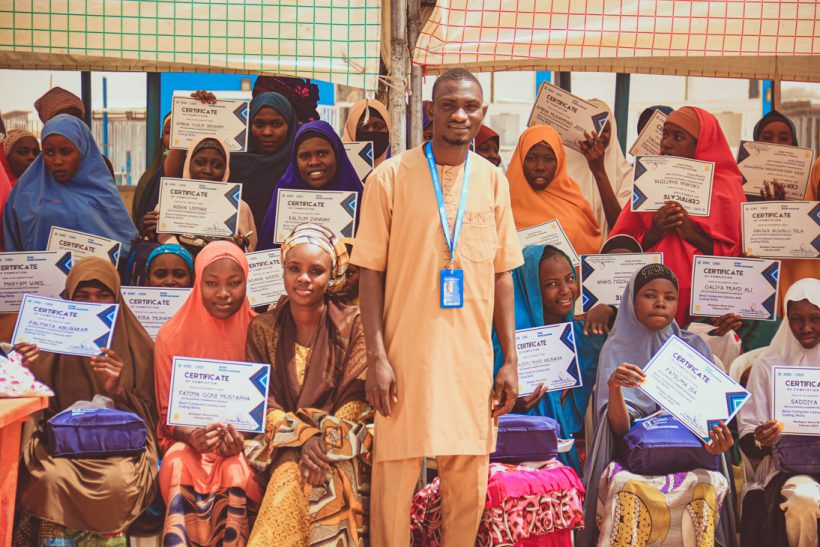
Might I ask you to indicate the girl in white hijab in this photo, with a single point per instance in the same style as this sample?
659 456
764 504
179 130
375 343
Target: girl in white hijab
602 172
790 504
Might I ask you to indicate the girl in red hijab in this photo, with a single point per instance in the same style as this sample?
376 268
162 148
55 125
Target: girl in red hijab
694 133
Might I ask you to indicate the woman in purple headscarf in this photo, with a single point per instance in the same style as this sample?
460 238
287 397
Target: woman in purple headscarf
318 163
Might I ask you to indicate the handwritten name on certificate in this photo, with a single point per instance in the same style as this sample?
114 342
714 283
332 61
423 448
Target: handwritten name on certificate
691 388
796 399
603 277
648 142
568 114
781 229
82 245
205 392
65 326
154 306
547 355
42 273
764 161
198 207
659 179
360 154
549 233
226 120
745 286
265 281
333 209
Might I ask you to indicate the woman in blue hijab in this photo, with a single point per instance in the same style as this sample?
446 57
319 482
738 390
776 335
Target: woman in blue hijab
69 186
318 162
271 130
546 289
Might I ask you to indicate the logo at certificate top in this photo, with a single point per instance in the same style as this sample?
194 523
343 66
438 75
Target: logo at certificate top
107 316
599 121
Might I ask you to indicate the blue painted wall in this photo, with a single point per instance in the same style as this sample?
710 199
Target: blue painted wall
222 82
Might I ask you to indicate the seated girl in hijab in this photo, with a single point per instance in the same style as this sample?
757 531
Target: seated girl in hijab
319 162
318 487
619 500
787 510
546 288
205 480
91 500
696 134
21 148
369 120
170 266
69 186
207 159
541 190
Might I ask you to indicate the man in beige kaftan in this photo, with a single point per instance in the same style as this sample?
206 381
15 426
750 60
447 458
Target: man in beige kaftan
430 370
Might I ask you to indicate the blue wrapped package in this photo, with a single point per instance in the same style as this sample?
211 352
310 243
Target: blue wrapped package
660 445
95 432
523 438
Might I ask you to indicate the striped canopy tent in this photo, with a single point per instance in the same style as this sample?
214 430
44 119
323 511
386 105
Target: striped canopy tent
776 40
332 40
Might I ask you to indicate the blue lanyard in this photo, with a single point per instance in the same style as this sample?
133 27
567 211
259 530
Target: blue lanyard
442 210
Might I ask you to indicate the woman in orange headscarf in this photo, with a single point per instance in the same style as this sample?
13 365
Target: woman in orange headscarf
541 191
205 480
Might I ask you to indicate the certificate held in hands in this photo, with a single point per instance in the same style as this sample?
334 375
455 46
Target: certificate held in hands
198 207
648 142
603 277
692 388
265 281
333 209
569 115
659 179
781 229
761 162
42 273
547 355
745 286
205 392
154 306
549 233
796 399
360 154
82 245
66 326
226 119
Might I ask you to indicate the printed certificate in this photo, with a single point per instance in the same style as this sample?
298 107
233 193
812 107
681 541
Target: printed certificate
603 277
65 326
568 114
205 392
197 207
227 120
691 388
764 161
796 399
333 209
154 306
781 229
745 286
659 179
547 355
648 142
360 155
42 273
549 233
265 282
82 245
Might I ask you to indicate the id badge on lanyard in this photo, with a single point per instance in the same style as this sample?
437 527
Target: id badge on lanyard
451 280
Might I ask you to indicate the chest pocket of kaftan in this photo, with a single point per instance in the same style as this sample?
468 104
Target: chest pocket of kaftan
479 236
